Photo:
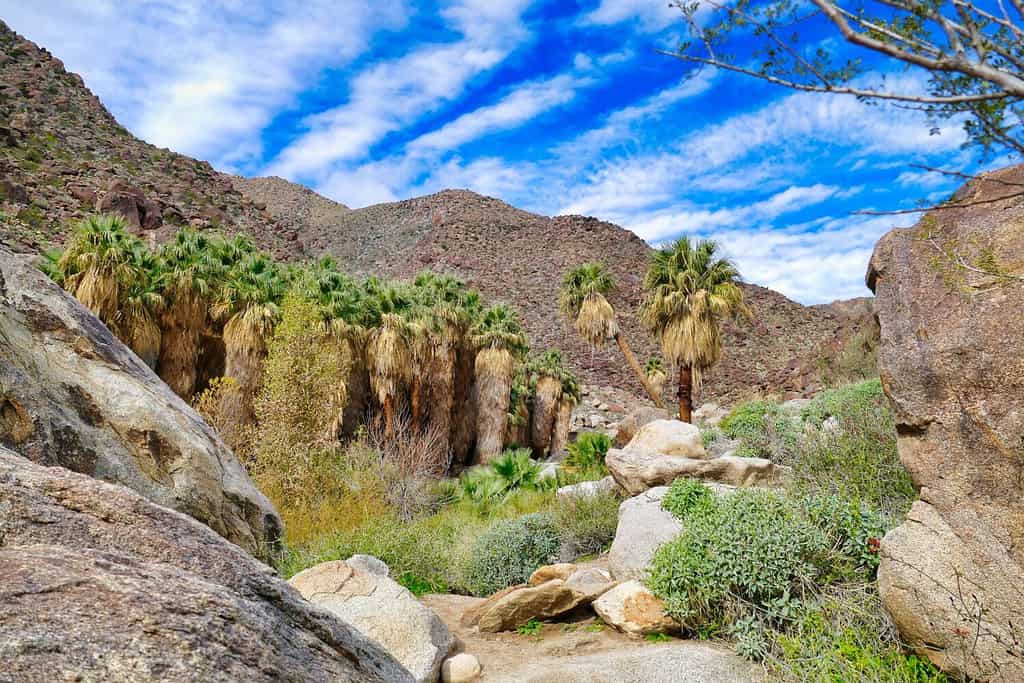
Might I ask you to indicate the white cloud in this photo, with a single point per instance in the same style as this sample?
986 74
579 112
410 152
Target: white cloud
202 77
651 14
392 94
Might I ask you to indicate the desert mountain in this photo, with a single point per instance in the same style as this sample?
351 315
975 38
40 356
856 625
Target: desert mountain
62 156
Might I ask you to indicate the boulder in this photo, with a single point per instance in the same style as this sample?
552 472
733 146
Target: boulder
631 424
546 601
710 414
634 610
668 437
588 488
369 563
949 296
637 471
97 583
462 668
643 528
383 611
590 583
674 662
139 212
71 394
562 571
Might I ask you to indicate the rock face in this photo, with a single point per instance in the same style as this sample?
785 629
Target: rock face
73 395
634 610
643 527
668 437
383 611
636 471
98 583
950 296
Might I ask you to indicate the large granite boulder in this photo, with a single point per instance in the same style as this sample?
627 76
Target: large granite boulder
950 303
71 394
382 610
668 437
643 527
99 584
637 418
636 471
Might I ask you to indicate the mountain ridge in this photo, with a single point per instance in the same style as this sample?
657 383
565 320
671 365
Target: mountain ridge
63 155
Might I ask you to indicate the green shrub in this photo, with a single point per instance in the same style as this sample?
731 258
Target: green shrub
844 636
763 429
753 546
853 531
858 459
510 551
586 455
586 524
845 400
513 471
686 495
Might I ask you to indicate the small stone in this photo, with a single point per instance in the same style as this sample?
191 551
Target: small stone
548 572
461 668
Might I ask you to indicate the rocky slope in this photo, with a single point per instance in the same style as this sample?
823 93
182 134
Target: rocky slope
63 155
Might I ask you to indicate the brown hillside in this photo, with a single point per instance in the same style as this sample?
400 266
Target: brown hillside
62 155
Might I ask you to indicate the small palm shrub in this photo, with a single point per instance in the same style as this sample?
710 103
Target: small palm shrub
762 428
586 524
687 496
510 551
586 455
512 472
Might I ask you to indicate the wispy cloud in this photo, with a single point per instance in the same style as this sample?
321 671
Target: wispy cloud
650 14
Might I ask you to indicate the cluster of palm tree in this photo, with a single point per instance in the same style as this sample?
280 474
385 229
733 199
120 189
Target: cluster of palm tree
690 289
203 305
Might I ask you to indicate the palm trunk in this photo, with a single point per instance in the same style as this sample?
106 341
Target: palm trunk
389 416
493 384
545 410
440 388
245 367
464 406
414 401
563 423
179 357
637 370
685 393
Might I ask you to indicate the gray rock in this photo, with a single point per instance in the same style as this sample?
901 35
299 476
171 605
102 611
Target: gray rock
637 471
370 564
631 608
462 668
668 437
75 396
588 488
548 471
710 414
383 611
643 527
99 584
631 424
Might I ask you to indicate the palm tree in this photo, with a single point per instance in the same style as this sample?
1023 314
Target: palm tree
499 338
583 301
141 303
192 273
656 376
390 350
690 289
248 302
551 382
100 260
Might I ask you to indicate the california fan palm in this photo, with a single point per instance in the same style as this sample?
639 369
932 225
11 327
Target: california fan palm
583 301
499 338
690 290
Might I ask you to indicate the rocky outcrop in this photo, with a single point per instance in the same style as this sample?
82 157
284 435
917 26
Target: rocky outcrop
643 527
635 420
383 611
950 296
98 583
637 471
668 437
634 610
71 394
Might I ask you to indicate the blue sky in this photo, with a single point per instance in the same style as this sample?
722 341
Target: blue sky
555 107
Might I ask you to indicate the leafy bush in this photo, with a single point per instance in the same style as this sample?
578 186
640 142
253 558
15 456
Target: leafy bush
586 455
586 524
763 429
858 459
687 495
844 636
853 531
753 546
852 398
510 551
